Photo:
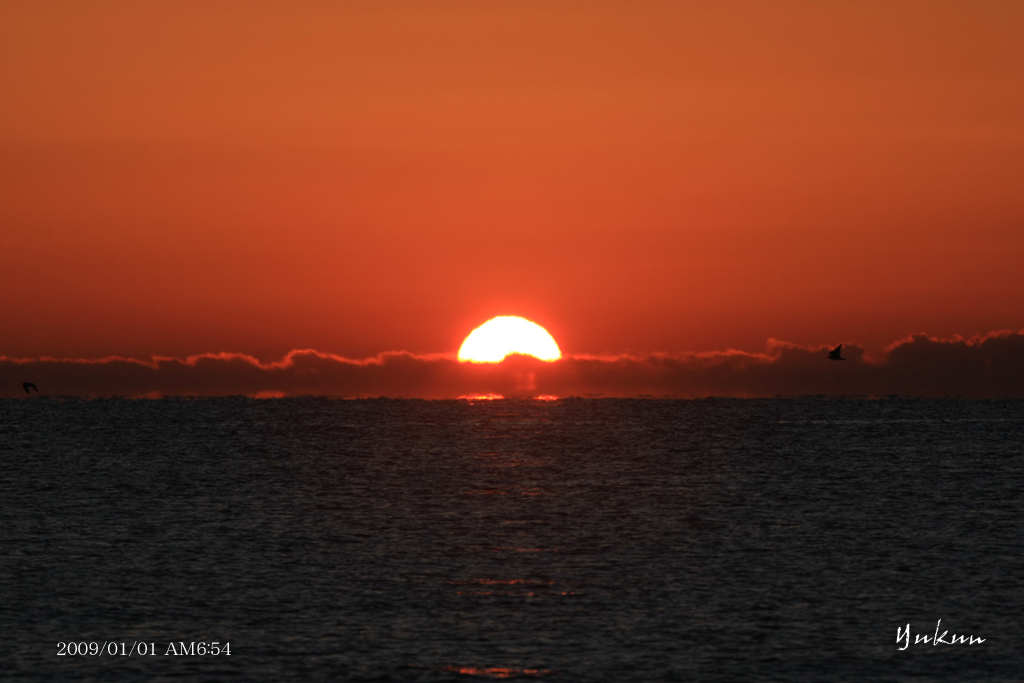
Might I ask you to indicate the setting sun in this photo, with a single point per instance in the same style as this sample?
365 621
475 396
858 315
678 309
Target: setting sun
498 337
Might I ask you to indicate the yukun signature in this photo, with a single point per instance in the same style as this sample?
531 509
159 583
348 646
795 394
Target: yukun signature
903 636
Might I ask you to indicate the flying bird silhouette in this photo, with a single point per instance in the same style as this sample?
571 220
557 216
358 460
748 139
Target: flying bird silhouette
29 385
834 353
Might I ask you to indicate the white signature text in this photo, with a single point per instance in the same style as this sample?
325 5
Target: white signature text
903 636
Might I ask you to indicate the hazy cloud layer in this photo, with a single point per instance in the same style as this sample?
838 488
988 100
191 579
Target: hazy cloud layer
989 366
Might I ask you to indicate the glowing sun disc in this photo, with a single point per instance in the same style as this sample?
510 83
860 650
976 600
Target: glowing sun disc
498 337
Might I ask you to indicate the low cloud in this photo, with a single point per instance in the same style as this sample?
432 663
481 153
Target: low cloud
981 367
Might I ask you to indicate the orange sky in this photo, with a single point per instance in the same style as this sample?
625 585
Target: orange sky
179 178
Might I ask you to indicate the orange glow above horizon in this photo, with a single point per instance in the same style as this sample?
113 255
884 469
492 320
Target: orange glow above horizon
180 178
507 334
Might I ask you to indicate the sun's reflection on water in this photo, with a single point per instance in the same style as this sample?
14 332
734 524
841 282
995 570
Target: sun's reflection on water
503 582
510 482
534 491
496 671
513 587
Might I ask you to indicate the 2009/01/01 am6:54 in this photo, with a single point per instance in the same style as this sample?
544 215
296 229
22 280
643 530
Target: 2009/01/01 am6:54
121 649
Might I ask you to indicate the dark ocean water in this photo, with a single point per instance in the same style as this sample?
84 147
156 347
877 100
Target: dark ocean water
574 540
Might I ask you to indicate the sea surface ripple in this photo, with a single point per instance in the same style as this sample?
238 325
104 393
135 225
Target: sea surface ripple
569 540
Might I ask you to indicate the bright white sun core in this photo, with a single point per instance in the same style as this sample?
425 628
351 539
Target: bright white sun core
498 337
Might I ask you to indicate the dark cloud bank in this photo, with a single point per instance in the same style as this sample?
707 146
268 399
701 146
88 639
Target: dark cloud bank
984 367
